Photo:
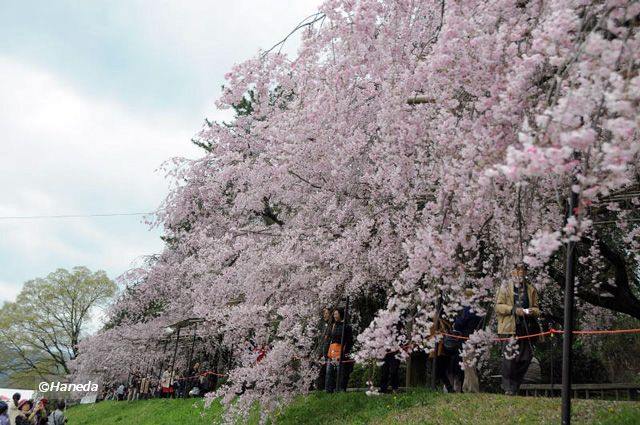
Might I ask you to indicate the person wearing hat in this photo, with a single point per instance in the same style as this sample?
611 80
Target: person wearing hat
4 417
39 414
24 409
517 310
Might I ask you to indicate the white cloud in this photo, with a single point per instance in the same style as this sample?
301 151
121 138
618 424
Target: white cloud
8 291
64 150
62 153
217 31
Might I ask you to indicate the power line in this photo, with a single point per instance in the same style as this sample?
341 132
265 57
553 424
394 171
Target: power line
38 217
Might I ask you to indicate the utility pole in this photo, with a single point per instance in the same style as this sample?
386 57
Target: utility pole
568 318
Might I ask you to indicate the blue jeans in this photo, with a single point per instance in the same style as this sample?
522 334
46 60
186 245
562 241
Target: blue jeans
333 371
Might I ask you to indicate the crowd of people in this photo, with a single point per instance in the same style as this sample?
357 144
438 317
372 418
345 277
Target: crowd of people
335 346
197 382
21 411
516 311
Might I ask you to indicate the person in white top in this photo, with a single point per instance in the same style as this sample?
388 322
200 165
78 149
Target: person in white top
13 408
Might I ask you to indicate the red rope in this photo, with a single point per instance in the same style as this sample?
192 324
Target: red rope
600 332
551 331
205 373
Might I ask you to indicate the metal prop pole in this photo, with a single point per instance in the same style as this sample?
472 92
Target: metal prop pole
344 326
175 353
568 319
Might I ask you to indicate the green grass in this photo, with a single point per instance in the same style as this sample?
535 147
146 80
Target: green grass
147 412
416 407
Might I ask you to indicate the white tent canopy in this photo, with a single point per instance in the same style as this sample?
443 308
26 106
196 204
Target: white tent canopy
7 393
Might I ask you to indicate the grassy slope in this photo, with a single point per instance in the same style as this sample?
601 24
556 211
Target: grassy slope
418 407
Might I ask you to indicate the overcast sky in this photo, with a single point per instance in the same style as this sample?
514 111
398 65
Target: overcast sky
94 97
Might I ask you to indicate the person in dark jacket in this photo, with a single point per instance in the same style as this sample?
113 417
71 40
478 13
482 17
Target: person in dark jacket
323 346
4 417
390 373
390 370
339 364
464 325
442 355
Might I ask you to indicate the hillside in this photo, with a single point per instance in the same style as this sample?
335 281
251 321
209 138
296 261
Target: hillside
416 407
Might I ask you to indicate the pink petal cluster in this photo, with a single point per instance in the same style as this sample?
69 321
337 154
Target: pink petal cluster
412 150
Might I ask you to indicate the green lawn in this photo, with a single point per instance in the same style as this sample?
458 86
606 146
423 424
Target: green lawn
416 407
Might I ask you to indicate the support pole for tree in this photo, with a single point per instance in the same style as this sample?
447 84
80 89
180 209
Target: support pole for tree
344 326
568 319
193 343
161 365
436 323
175 353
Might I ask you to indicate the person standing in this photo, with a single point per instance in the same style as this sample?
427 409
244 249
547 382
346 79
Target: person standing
442 357
323 347
178 386
465 323
339 348
209 379
144 387
57 416
120 392
4 417
517 310
194 380
13 408
166 384
39 414
390 370
390 373
134 386
24 409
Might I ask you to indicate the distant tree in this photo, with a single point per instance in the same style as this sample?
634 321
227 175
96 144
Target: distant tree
40 332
